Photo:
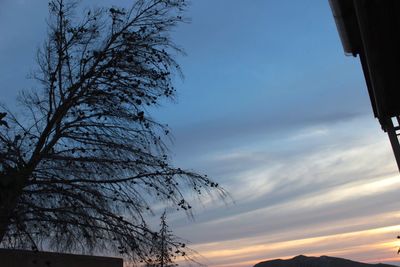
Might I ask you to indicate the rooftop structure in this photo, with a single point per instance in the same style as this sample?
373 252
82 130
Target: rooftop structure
26 258
371 30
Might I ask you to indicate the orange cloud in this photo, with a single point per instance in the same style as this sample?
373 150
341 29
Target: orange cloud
371 245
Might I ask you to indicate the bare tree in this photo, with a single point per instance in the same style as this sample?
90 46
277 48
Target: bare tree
2 121
163 254
80 169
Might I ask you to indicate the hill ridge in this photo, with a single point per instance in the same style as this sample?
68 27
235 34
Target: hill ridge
321 261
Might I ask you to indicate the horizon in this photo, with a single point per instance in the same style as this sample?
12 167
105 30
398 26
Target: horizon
274 111
324 256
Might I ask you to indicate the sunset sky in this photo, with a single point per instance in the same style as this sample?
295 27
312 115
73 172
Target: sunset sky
272 109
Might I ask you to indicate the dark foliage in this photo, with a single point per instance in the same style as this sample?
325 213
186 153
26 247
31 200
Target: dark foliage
163 254
79 170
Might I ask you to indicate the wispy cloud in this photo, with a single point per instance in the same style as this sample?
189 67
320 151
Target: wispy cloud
365 245
301 193
280 123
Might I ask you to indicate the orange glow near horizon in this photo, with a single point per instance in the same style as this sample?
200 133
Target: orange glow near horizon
368 238
373 245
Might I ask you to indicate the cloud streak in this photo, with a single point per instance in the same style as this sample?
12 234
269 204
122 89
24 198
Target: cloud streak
300 194
273 111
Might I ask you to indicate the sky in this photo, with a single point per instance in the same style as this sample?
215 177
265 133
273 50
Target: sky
272 109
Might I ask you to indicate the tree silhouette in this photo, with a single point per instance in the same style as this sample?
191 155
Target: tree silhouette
2 121
163 253
80 169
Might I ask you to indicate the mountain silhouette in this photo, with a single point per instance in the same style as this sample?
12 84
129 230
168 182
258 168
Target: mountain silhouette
323 261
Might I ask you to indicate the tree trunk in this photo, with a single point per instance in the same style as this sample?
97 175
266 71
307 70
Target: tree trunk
11 186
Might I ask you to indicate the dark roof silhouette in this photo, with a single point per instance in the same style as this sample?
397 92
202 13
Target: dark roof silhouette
371 29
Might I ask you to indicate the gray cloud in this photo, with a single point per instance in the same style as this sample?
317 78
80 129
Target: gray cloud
283 178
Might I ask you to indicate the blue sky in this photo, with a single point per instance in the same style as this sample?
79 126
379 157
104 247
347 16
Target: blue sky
271 108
